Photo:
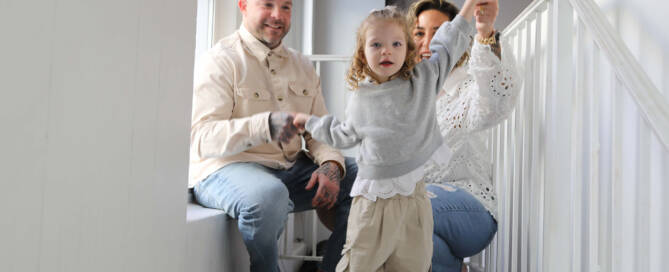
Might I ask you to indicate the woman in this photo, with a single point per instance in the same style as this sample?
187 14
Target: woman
480 92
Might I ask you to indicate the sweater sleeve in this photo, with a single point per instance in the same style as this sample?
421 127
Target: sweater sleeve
448 45
335 133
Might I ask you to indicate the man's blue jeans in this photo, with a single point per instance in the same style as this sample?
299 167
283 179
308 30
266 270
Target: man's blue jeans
260 198
462 226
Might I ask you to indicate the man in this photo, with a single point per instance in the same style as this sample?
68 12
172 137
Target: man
244 157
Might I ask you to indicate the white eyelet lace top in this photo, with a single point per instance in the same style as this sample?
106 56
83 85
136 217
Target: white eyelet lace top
477 96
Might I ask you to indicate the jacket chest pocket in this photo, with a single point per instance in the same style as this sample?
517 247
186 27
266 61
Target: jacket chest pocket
301 97
252 100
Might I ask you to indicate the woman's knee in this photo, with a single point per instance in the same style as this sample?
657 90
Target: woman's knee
443 259
482 232
460 220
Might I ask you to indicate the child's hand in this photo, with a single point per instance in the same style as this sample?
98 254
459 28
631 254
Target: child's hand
300 120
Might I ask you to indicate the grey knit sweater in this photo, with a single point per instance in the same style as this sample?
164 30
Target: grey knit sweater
394 122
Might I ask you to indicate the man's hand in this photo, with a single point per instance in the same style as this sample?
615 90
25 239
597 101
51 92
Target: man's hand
328 177
281 127
486 14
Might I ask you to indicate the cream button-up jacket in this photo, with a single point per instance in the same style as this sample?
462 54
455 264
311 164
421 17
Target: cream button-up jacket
237 83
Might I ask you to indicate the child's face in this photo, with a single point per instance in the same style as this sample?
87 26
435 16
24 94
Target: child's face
385 49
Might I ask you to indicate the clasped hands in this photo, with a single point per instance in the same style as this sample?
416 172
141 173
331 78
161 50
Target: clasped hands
283 127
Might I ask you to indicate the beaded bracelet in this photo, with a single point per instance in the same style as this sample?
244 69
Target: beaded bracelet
490 40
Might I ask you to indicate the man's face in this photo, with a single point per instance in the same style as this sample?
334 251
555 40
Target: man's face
267 20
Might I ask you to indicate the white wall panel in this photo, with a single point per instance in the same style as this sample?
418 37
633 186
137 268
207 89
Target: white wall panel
95 105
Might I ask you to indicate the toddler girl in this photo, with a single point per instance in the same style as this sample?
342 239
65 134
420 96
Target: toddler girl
391 116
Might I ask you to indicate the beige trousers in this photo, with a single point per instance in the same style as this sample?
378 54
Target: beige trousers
393 234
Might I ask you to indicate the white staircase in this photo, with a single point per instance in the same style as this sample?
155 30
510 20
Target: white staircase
582 163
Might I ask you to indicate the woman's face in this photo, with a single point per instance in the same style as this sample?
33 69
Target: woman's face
427 24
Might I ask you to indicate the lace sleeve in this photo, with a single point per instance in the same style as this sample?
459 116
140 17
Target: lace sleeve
485 97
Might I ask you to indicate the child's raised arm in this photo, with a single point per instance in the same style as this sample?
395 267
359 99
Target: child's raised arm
449 44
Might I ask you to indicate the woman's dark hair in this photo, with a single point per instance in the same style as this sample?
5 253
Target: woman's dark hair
443 6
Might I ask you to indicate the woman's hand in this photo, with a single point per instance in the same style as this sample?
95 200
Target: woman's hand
486 14
470 7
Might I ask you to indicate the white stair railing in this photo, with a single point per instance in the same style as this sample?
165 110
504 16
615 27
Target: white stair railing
580 166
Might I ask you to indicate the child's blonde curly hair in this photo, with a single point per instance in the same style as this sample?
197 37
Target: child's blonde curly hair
359 69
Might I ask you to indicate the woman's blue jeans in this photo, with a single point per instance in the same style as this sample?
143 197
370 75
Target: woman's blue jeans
260 198
462 226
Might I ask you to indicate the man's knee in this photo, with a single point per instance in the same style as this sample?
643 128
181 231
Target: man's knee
268 202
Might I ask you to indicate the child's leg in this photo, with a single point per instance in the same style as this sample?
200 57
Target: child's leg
414 247
369 236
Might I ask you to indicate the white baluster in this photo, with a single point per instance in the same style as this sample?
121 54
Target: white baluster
577 147
525 139
591 158
604 78
558 219
512 177
539 132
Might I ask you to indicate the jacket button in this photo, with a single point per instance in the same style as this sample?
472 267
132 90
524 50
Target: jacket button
273 71
305 92
280 99
256 95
